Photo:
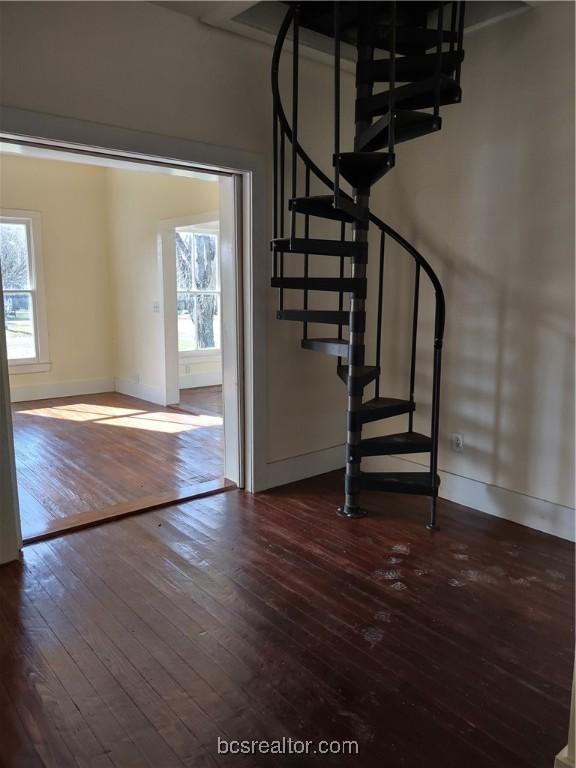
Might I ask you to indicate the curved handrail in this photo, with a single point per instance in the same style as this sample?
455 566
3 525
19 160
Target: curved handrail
440 314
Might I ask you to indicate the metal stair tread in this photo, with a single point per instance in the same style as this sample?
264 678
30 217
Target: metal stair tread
408 124
383 408
332 317
326 207
362 169
317 16
402 442
338 284
320 247
408 68
411 40
420 483
364 373
412 96
330 346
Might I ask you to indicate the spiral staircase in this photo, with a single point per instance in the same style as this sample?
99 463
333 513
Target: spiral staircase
416 49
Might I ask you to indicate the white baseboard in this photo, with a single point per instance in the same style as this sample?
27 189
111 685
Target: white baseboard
563 760
545 516
306 465
146 392
192 380
539 514
60 389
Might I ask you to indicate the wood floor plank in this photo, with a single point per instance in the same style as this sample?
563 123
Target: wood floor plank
349 632
92 454
240 616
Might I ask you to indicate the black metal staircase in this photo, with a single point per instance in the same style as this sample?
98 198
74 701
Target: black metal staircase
416 48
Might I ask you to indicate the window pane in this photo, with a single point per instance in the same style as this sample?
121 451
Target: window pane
184 243
198 321
205 264
208 321
14 256
186 324
19 319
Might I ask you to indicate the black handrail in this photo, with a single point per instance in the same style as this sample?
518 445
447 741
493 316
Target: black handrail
440 310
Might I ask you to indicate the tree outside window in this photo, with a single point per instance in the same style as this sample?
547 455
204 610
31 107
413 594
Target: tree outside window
198 287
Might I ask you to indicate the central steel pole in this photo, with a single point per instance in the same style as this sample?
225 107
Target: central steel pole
364 86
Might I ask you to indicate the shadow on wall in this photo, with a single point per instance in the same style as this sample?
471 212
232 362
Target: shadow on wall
508 380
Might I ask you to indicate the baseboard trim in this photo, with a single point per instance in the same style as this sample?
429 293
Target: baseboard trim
60 389
541 515
141 391
193 380
563 760
306 465
546 516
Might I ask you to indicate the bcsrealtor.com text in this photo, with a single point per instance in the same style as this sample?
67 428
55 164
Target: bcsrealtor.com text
286 746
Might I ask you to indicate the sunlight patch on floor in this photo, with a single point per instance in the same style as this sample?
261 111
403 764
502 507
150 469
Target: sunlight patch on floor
154 421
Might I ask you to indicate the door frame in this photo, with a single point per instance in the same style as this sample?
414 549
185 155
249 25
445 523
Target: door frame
249 170
170 358
230 256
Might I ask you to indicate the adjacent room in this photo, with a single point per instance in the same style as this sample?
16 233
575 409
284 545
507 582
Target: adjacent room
89 248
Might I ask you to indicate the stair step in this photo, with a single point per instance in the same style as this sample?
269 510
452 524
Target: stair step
418 95
411 40
408 125
318 16
390 445
336 347
314 316
365 374
400 482
326 207
355 285
321 247
362 169
384 408
408 68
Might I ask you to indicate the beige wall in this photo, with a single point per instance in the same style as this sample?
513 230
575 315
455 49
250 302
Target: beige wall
71 199
140 66
490 200
139 203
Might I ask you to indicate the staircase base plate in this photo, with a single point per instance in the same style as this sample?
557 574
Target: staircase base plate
351 512
434 527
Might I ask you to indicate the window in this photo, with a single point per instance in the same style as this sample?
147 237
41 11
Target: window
21 282
198 288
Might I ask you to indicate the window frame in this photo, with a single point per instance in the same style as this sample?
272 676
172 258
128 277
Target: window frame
208 227
40 363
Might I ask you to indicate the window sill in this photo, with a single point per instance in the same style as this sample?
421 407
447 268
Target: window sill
197 354
15 369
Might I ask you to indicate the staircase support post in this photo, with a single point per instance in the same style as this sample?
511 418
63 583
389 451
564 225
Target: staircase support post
356 353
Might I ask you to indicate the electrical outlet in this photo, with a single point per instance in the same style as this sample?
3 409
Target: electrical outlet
457 442
156 306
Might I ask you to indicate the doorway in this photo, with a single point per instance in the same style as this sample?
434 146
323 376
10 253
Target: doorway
163 455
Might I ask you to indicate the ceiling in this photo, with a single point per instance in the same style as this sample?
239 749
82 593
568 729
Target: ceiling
261 21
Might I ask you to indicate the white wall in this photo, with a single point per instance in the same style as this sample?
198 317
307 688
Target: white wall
490 200
139 203
140 66
71 199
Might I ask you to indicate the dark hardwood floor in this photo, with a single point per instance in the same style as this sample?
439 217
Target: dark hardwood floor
140 642
202 400
95 455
